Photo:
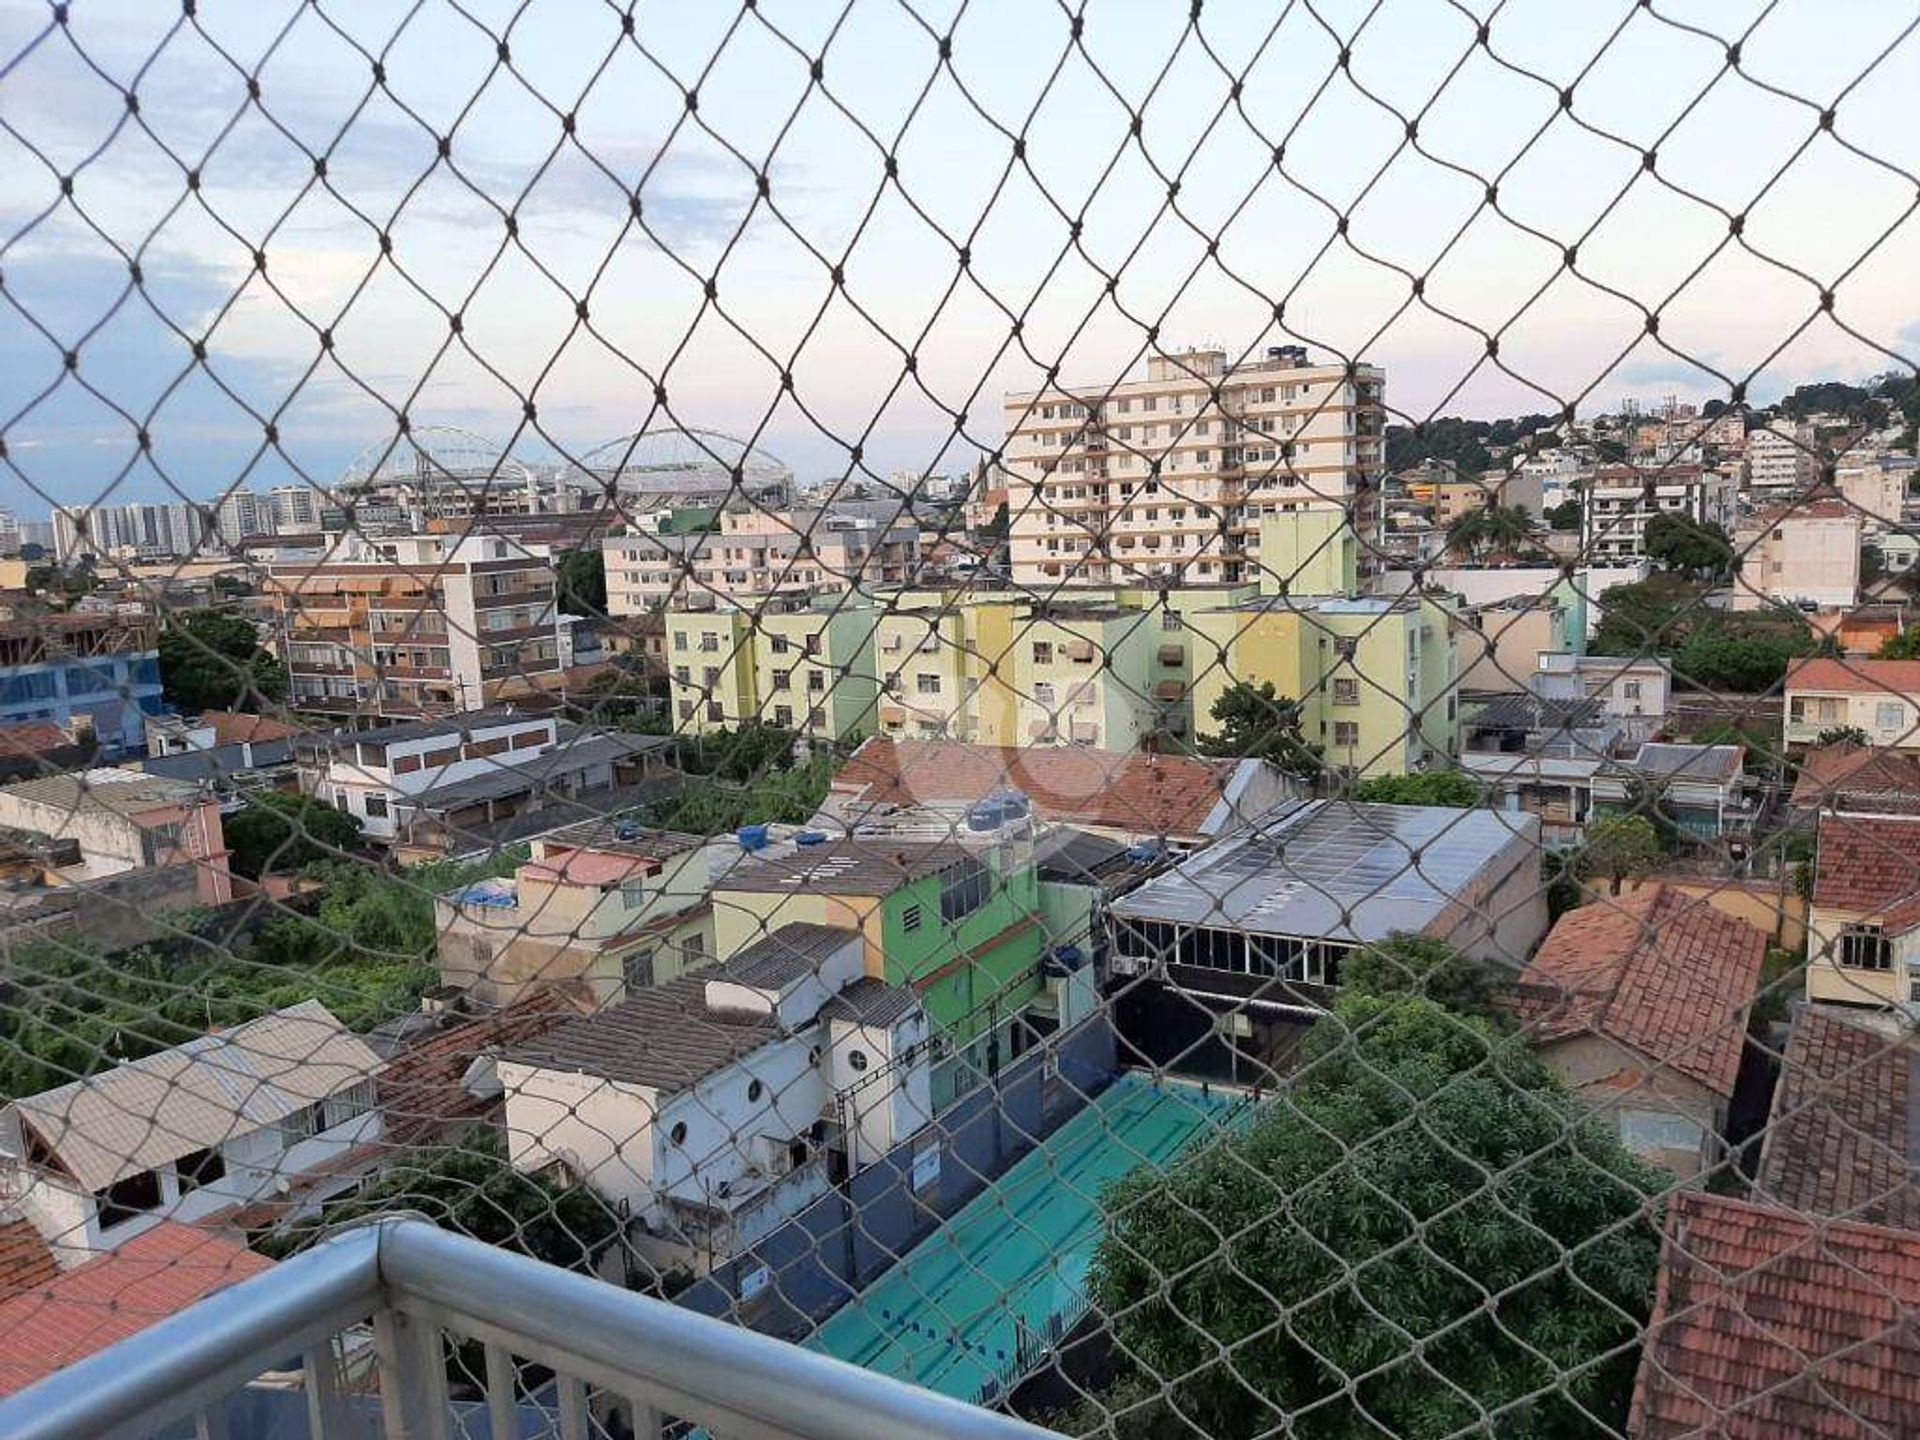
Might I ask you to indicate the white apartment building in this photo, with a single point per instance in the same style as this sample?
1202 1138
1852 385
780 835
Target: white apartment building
1558 471
240 514
1781 459
698 1104
132 532
1621 499
1875 483
417 622
410 783
282 1109
296 509
1803 554
1167 475
757 552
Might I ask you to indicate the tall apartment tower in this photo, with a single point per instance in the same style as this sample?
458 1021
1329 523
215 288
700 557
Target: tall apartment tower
418 623
240 514
1782 459
296 509
1166 477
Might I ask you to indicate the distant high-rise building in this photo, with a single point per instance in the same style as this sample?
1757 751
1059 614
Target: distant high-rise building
37 532
135 532
420 622
1781 458
1166 476
240 514
296 509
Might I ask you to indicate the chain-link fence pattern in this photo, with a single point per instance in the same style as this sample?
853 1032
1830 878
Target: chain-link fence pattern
1048 819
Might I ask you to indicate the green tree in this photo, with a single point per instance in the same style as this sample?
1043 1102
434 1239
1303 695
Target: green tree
1648 799
1256 722
279 832
1904 646
212 660
583 581
788 796
473 1190
1619 847
1445 438
1406 964
1681 544
1842 735
1332 1271
1741 658
1491 530
1429 787
1565 516
745 752
63 584
1646 616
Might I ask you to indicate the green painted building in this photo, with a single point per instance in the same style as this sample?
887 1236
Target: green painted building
963 924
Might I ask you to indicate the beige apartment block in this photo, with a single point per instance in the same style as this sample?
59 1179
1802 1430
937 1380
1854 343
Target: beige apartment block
420 623
1806 554
1166 476
755 553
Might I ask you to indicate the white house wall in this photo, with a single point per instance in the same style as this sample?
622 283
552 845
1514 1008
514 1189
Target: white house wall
602 1130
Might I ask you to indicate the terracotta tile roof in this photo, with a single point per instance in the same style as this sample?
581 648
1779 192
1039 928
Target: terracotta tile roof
1868 863
1815 505
1665 974
1767 1324
33 737
1865 677
1844 1137
422 1091
1074 784
156 1274
25 1258
1859 777
232 727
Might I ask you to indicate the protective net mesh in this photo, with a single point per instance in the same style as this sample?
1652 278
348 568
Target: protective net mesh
1029 824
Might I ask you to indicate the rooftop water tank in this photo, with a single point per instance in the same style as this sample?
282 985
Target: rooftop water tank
753 837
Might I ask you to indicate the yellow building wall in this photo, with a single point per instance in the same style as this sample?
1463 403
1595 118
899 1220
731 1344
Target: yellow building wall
740 917
737 686
1309 551
1231 645
990 628
1827 979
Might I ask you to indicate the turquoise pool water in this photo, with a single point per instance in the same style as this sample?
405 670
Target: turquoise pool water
948 1314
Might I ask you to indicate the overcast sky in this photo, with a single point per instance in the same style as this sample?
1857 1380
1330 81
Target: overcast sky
1263 181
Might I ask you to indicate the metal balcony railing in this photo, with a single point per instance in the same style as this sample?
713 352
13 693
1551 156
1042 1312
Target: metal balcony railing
418 1288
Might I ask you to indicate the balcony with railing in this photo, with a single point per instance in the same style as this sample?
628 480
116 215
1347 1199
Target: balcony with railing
387 1330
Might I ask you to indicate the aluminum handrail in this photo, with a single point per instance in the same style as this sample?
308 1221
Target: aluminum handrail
412 1278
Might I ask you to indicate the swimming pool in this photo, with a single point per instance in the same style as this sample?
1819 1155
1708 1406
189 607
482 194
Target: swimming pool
950 1314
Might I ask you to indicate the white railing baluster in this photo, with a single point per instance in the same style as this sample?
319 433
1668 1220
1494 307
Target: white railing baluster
501 1413
327 1415
571 1392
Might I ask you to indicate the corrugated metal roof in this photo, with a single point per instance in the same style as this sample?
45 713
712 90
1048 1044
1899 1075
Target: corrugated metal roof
507 777
108 788
1690 762
871 1002
790 953
150 1112
1339 870
663 1037
875 865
